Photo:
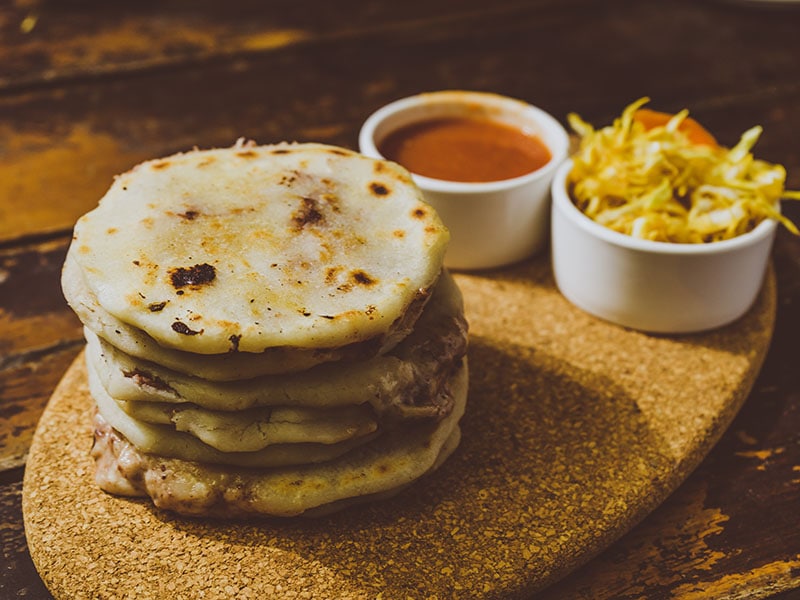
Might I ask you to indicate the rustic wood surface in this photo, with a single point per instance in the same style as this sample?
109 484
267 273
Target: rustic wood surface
88 88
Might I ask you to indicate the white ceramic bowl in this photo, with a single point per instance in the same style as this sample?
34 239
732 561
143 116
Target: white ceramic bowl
656 287
493 223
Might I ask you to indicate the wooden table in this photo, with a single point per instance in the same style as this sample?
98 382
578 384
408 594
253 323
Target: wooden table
87 89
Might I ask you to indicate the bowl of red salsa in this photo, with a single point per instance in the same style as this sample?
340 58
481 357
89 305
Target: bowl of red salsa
483 161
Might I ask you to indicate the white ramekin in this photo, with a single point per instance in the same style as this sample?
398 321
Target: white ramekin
494 223
651 286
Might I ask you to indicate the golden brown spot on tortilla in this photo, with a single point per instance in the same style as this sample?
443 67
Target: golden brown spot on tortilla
147 222
247 154
403 178
84 249
379 189
206 161
280 151
331 274
431 229
333 202
399 233
111 230
238 210
379 167
308 214
162 164
338 152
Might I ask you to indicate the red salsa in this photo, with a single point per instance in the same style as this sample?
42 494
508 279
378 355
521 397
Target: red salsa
465 149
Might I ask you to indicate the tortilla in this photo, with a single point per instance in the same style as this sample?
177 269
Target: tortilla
165 441
249 248
386 464
412 370
228 366
256 428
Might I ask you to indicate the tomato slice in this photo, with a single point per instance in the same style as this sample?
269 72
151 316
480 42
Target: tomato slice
696 133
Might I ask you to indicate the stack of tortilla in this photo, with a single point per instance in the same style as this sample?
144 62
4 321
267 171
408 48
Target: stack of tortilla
269 331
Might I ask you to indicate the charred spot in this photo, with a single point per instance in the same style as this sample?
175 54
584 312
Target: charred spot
162 164
247 154
183 329
330 317
362 278
308 214
156 306
234 340
305 312
190 215
280 151
192 276
379 189
382 468
136 262
419 213
338 152
288 179
370 310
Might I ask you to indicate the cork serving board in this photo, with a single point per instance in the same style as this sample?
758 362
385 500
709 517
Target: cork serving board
575 429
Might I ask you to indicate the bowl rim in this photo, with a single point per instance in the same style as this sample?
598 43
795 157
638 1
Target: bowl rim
368 146
564 205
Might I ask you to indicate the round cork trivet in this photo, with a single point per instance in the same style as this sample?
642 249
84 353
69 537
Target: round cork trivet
575 429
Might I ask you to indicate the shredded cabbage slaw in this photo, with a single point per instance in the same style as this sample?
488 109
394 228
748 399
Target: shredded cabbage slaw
656 184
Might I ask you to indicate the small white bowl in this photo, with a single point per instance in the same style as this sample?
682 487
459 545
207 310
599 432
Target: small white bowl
493 223
656 287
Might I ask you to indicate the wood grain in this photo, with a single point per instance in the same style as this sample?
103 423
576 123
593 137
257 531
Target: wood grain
52 42
76 107
68 141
